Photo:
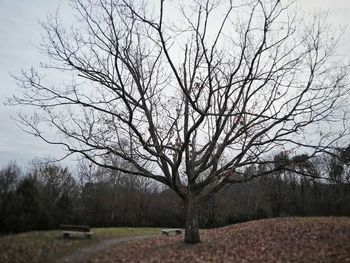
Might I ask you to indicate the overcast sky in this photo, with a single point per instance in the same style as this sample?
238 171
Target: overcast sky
20 31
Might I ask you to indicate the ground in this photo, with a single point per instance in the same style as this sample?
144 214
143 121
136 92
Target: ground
271 240
49 246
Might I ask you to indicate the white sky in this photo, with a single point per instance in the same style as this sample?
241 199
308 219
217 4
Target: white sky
20 32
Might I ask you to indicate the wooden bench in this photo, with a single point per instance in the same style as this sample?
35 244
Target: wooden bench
167 232
75 230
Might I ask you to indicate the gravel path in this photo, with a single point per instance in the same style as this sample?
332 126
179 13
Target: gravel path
83 254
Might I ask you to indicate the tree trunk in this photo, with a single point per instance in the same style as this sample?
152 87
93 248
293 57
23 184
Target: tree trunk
191 220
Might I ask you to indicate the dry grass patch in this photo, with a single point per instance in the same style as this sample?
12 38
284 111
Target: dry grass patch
48 246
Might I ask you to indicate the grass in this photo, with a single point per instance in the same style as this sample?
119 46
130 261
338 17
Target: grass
48 246
113 232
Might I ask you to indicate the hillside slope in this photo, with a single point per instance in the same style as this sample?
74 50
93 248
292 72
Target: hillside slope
271 240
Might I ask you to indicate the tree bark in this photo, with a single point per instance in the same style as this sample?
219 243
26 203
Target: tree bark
191 220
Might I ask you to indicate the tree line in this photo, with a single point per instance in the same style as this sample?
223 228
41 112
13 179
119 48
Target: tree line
48 194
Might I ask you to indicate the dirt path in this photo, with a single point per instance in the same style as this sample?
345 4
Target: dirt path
83 254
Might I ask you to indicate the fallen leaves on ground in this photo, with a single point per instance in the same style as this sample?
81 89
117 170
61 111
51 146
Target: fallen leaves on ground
272 240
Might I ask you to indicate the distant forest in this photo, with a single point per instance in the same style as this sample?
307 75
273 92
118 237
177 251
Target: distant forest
48 194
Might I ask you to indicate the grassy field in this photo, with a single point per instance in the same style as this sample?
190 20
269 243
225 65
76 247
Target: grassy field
48 246
322 239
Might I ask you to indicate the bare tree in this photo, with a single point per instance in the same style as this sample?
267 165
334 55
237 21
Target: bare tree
198 89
